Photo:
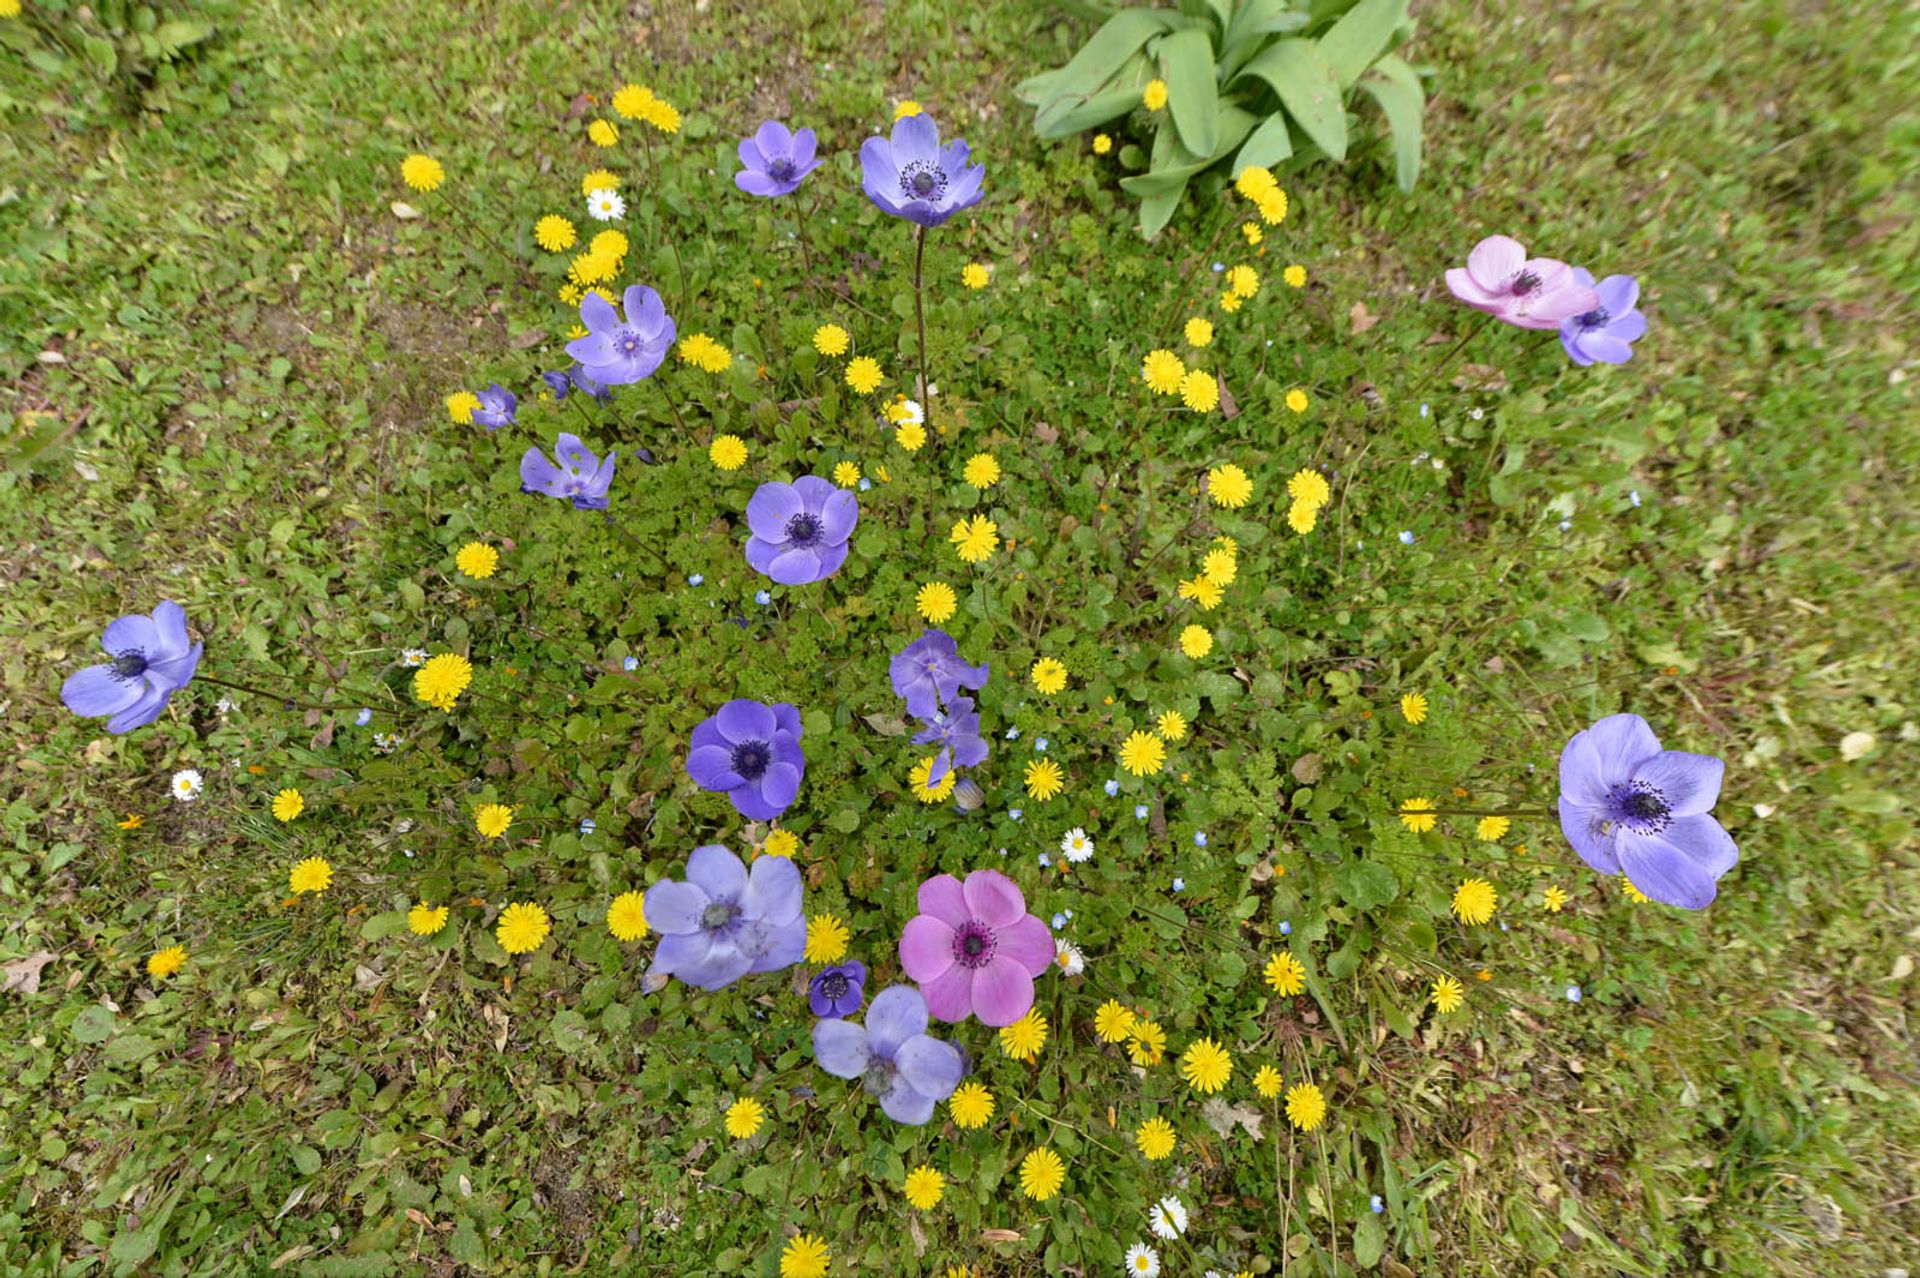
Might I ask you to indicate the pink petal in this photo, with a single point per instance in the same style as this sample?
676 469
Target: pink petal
1002 992
941 896
926 947
994 899
1027 943
950 995
1495 261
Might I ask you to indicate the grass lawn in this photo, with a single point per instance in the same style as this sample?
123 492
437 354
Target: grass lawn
229 332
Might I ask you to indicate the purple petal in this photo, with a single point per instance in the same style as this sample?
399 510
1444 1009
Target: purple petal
1002 992
1617 293
774 141
795 566
780 785
879 171
773 891
97 691
1027 943
786 718
541 475
804 146
1623 742
771 508
645 310
711 768
840 1048
754 182
896 1015
724 965
749 803
932 1067
126 634
994 899
944 898
751 157
570 452
1690 783
153 699
1582 823
717 871
903 1104
1630 327
177 671
916 137
773 946
597 313
949 996
1494 261
1602 347
674 908
681 949
1463 286
1680 865
743 719
838 515
602 479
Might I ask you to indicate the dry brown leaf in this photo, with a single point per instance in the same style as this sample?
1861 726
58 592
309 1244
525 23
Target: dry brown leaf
1362 318
23 974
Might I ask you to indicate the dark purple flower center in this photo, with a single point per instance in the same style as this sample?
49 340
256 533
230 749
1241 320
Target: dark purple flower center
804 529
781 170
130 664
878 1077
834 986
1597 318
974 944
1640 806
923 180
1524 283
718 915
751 759
627 342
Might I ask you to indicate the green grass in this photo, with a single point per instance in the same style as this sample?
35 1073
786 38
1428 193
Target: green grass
225 362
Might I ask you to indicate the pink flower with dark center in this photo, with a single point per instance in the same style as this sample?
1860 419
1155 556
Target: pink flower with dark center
974 949
1527 292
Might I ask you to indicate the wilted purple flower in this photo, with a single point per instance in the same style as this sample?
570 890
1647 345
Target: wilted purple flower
775 161
892 1055
1628 806
1503 281
1605 334
152 659
616 351
497 406
724 922
559 381
956 729
909 176
751 753
800 530
562 381
580 477
928 672
835 991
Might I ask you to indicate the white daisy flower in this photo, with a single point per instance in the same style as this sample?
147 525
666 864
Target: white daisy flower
910 411
605 205
1168 1217
1143 1261
412 657
1076 846
1068 957
187 785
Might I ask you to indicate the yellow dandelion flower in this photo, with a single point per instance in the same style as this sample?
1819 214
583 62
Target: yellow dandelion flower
781 843
982 471
133 822
460 406
830 339
1302 517
1171 725
1154 96
1297 400
1146 1042
1306 1107
599 180
1196 642
827 939
630 100
1199 332
744 1117
310 875
1413 708
1310 488
1203 592
1200 391
1220 566
477 560
1206 1066
904 108
1295 276
1634 894
1023 1039
1142 754
1255 181
288 804
1417 815
1229 486
1162 371
1102 144
1041 1174
846 474
1044 779
910 436
440 682
662 115
804 1257
971 1106
864 375
523 928
164 963
1252 232
627 917
936 602
1049 676
924 1187
426 920
1448 995
1491 829
1229 302
1112 1022
1154 1139
1273 207
704 354
1285 974
935 793
422 173
976 275
1266 1081
1554 899
728 452
1474 901
492 819
975 539
1243 280
603 133
554 233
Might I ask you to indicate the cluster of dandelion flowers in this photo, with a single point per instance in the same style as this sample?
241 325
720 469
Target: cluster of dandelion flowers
442 679
704 354
1306 1107
804 1257
422 173
1041 1174
523 928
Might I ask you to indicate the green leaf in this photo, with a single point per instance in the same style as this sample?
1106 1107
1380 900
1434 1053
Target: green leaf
1118 39
1157 210
1193 98
129 1048
1351 44
1393 85
1065 116
95 1025
1172 165
1365 885
1269 145
1369 1239
570 1032
1307 88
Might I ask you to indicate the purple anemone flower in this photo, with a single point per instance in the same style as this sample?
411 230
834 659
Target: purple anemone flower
619 352
800 530
1628 806
956 729
1503 281
751 753
774 161
497 407
152 659
909 176
1605 334
892 1055
725 922
928 672
559 381
580 477
974 949
835 991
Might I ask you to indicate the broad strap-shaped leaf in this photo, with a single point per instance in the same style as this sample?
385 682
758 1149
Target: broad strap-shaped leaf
1249 18
1157 210
1065 116
1308 90
1186 58
1393 84
1351 44
1118 39
1170 168
1270 144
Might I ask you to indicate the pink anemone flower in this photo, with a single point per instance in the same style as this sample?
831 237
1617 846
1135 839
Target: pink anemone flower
1527 292
974 949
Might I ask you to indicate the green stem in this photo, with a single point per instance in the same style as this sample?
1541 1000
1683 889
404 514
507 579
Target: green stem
1446 359
920 318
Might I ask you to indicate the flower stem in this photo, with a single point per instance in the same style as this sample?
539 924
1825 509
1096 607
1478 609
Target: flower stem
1505 812
1452 351
920 318
286 702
